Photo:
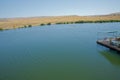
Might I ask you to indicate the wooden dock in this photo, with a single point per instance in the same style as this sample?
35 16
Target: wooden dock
108 45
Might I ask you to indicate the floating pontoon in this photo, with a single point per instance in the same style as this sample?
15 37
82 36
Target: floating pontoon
110 40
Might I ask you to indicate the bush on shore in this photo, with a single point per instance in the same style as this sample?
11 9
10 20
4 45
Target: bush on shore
1 29
29 25
42 24
48 23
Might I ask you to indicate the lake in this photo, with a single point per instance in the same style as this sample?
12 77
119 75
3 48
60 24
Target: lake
58 52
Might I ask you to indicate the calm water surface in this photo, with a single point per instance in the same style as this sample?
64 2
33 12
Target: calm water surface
58 52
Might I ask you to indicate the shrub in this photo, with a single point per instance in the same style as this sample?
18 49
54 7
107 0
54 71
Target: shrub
72 22
80 22
1 29
42 24
48 23
25 26
29 25
67 22
60 23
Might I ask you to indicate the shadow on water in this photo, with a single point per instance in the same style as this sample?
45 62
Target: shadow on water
112 56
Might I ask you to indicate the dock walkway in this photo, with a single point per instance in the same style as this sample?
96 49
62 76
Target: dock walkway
108 45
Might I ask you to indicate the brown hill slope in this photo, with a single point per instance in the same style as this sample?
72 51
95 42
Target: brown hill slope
33 21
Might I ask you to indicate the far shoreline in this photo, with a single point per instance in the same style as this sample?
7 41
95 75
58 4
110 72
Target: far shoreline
14 23
77 22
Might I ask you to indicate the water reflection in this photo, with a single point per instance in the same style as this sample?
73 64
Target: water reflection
111 56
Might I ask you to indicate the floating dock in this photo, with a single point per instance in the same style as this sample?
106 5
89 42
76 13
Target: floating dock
108 45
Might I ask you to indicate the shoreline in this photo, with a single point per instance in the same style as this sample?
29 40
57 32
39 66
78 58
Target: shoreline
15 23
77 22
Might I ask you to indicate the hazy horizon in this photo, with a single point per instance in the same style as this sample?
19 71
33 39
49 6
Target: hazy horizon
33 8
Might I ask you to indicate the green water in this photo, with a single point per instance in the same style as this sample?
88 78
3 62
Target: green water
58 52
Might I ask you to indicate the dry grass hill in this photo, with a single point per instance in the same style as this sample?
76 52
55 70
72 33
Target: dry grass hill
10 23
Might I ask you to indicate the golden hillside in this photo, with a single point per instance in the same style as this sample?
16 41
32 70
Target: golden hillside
21 22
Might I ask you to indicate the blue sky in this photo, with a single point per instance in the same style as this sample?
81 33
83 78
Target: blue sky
26 8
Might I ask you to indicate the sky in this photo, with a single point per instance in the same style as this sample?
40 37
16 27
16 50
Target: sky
31 8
